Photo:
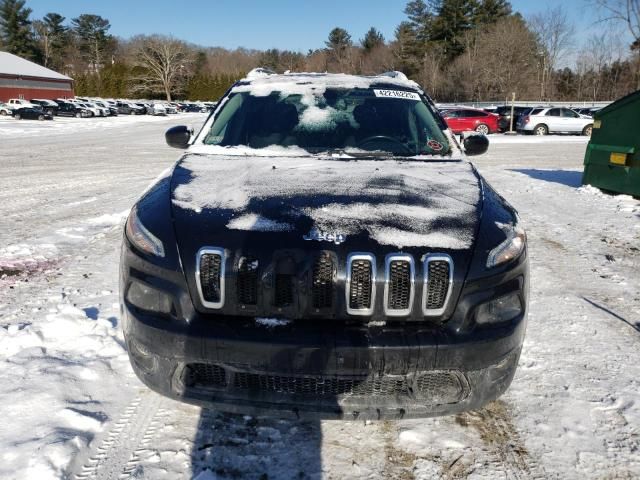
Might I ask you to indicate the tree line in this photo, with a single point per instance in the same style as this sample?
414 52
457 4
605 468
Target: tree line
458 50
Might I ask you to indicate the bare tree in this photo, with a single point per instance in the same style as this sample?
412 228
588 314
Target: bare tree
625 11
164 64
554 32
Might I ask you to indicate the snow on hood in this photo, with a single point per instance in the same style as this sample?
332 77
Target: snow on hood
401 203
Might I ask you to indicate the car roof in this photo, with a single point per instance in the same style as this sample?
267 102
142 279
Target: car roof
261 78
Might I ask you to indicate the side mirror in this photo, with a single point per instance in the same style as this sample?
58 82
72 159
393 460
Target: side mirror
475 144
178 137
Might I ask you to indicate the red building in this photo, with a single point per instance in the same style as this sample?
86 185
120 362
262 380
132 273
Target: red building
20 78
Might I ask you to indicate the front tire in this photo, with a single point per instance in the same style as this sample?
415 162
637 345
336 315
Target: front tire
586 131
483 129
41 117
78 115
541 130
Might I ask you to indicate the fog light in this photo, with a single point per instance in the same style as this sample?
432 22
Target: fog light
500 310
148 298
142 357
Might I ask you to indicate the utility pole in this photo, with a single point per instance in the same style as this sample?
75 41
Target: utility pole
513 99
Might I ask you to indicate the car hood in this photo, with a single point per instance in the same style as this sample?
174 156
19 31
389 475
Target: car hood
391 202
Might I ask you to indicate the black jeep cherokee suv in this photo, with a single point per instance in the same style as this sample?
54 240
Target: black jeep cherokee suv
323 249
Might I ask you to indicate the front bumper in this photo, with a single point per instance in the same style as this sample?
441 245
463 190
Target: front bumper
323 368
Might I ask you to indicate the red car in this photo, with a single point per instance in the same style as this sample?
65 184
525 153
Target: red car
471 119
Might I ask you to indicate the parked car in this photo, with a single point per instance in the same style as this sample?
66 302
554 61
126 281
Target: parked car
49 106
470 119
67 109
157 109
4 109
195 107
504 111
542 121
128 108
109 109
170 108
94 111
31 113
371 272
14 103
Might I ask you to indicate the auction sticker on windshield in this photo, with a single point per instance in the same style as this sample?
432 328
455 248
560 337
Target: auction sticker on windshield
397 94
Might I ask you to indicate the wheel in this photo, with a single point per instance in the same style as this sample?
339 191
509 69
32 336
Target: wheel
3 113
40 117
541 130
587 130
17 116
78 115
482 129
132 112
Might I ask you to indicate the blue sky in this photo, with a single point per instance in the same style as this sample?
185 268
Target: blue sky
292 24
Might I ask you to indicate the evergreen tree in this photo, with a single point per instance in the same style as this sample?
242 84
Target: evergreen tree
339 47
372 39
404 48
454 18
93 39
15 29
489 11
53 37
422 16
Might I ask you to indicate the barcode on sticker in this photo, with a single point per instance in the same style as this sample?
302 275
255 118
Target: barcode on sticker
396 94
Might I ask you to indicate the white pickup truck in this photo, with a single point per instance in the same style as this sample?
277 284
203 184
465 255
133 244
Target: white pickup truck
14 103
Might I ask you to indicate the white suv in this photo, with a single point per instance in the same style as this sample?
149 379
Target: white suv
542 121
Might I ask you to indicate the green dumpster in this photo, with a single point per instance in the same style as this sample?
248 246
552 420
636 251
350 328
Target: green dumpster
612 161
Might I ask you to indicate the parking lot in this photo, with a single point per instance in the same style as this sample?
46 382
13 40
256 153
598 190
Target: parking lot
70 395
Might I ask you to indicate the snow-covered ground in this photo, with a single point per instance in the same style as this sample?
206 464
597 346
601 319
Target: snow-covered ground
70 406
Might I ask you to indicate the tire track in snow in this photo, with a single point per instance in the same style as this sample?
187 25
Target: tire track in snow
500 437
119 454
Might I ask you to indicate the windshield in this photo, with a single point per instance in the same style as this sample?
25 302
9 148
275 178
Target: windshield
350 120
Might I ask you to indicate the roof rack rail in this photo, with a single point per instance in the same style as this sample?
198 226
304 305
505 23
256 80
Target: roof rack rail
260 72
394 74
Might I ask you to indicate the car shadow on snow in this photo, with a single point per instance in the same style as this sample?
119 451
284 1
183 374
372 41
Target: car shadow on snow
236 446
570 178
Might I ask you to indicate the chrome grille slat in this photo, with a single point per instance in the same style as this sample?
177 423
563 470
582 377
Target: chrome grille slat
361 284
438 281
399 284
210 276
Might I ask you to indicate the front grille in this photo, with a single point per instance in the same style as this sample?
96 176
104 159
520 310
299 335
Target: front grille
322 282
204 375
438 277
211 277
433 387
400 284
247 281
360 288
321 386
284 290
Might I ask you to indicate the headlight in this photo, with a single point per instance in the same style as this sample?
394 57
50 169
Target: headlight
510 248
142 238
